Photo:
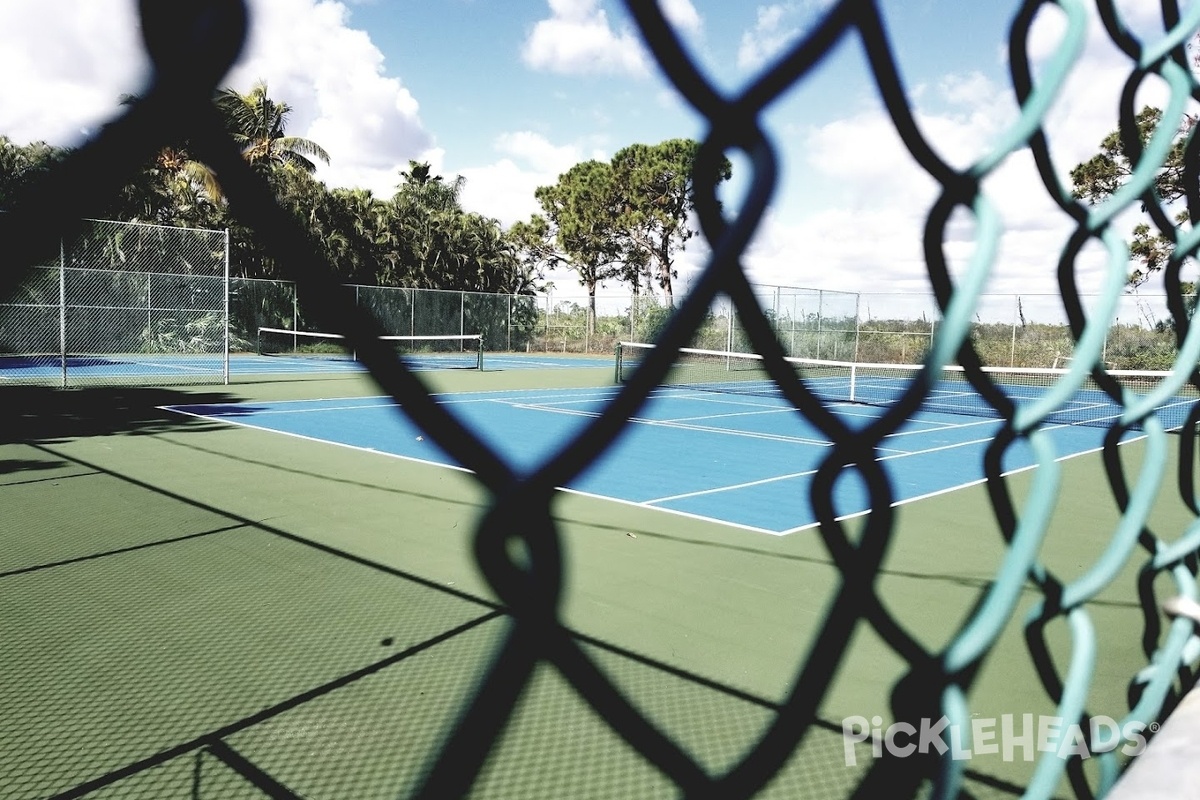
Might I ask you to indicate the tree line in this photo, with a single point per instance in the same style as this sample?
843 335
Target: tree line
624 220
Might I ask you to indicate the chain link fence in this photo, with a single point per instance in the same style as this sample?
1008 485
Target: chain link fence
129 302
519 539
122 294
124 302
1007 330
1019 331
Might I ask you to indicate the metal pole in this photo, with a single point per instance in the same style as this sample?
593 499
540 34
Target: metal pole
775 318
1012 353
633 303
820 320
729 329
62 309
857 323
225 359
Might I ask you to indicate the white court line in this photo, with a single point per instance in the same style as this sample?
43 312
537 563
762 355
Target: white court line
956 487
488 396
681 425
241 412
215 369
568 395
737 414
791 476
457 468
320 404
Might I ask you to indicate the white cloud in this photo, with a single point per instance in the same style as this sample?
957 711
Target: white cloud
853 203
340 96
866 235
62 79
578 39
504 190
683 15
771 32
967 90
538 152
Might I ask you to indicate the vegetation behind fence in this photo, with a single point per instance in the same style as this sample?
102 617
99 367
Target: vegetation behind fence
149 289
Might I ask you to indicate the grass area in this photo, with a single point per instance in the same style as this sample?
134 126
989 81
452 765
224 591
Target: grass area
186 598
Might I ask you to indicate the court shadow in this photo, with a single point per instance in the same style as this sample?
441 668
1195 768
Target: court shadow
8 465
43 414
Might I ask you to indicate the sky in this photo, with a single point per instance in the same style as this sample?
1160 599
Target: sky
511 94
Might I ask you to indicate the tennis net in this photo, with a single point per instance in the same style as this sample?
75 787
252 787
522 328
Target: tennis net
420 352
883 384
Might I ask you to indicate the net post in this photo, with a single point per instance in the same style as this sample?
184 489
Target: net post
617 375
479 354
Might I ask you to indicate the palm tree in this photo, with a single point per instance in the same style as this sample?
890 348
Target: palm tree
428 192
258 125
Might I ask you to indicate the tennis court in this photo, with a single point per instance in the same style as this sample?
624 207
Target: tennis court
248 575
739 459
164 367
280 574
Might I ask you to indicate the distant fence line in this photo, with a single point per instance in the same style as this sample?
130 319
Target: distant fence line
1010 330
131 288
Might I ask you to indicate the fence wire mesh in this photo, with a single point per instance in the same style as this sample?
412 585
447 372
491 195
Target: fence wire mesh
114 301
536 653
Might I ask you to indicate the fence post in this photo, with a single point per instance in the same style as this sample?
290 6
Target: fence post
62 309
729 329
820 320
225 357
1012 353
857 323
633 301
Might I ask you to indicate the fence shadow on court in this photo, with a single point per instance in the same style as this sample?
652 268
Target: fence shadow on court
613 720
42 414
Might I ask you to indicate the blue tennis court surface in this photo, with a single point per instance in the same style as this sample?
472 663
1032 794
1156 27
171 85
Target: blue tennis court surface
744 461
16 368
